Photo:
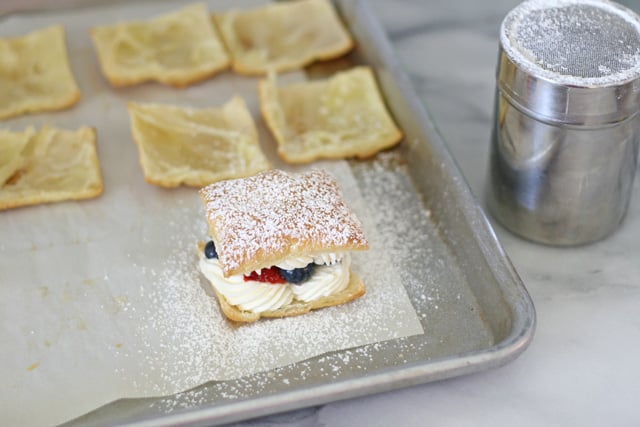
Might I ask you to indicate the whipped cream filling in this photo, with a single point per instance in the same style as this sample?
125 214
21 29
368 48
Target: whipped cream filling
330 276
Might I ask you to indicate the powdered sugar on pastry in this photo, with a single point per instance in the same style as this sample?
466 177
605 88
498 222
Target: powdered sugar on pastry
258 221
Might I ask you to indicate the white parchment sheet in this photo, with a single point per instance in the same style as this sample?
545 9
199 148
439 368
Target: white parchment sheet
102 299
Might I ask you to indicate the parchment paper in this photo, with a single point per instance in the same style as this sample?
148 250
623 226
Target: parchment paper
102 299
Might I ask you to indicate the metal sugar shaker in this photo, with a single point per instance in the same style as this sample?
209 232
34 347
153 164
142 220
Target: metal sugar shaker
565 137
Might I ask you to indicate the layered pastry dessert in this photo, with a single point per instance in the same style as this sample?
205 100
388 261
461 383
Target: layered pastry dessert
280 244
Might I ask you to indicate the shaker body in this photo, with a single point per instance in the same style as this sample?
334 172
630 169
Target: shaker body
565 140
559 184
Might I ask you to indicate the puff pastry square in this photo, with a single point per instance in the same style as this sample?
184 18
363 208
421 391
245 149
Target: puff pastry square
49 165
195 147
259 220
35 74
177 49
283 36
340 117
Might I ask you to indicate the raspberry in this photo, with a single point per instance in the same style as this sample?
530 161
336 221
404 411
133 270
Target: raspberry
267 275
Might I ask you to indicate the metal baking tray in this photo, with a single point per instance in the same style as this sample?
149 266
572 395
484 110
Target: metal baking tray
475 310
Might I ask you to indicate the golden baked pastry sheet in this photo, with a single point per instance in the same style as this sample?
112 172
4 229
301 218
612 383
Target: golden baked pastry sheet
35 74
195 146
261 220
338 117
49 165
283 36
178 48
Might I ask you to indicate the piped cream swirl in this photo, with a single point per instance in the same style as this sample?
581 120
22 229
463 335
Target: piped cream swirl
324 281
248 295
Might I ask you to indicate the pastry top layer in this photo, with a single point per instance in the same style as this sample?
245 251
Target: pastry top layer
258 221
341 116
283 36
178 48
195 146
48 165
35 74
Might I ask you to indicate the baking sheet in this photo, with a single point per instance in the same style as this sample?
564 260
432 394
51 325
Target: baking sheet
102 299
471 307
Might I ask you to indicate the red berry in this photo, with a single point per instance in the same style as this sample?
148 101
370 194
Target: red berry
268 275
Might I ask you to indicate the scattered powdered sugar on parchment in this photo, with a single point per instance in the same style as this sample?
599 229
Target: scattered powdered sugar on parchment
404 225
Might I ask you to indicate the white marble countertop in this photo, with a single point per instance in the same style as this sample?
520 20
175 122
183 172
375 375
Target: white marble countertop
582 367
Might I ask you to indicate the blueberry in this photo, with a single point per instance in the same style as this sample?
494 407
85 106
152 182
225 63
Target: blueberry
297 275
210 250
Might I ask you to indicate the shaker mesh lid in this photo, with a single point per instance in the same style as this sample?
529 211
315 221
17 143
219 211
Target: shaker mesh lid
574 42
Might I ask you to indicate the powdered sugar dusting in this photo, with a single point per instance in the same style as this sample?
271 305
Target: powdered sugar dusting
272 215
